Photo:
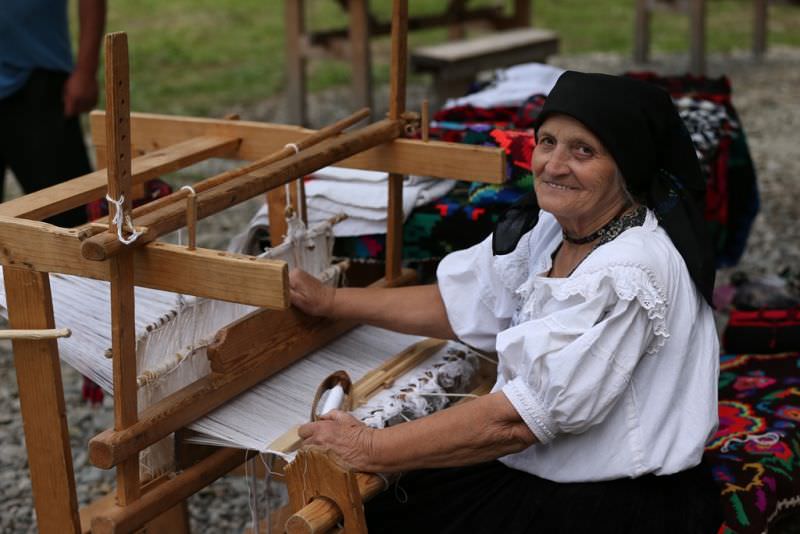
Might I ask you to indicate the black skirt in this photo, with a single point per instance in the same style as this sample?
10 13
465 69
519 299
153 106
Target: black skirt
493 498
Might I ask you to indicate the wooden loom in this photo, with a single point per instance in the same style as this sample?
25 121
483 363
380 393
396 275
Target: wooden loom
246 352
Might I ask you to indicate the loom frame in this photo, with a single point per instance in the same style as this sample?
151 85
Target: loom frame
146 146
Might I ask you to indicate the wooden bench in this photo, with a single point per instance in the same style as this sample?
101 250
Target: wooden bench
455 64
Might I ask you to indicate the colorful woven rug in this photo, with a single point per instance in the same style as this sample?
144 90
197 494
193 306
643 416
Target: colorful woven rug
755 454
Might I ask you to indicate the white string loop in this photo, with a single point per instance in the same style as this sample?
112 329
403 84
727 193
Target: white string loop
293 147
118 219
189 188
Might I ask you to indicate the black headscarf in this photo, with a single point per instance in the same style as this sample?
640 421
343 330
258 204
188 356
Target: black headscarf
640 127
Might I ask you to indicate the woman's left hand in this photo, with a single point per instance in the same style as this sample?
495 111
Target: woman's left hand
344 435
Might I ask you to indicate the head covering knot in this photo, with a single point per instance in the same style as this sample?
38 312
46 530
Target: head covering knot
640 127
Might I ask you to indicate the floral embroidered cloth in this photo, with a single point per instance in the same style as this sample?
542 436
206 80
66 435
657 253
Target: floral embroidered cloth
755 454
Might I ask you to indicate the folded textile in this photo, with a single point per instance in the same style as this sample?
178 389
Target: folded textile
361 195
512 86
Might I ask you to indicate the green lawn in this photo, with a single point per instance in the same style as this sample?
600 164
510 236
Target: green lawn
206 56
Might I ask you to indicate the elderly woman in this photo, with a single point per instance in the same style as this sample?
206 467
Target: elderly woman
594 291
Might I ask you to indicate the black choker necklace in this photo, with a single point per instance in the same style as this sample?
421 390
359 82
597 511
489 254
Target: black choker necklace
597 234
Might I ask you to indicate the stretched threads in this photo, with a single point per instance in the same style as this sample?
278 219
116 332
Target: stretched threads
120 218
767 439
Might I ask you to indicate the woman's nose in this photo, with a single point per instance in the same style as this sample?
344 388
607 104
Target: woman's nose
556 164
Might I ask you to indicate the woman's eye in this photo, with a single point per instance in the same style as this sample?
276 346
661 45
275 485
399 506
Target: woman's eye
547 141
584 150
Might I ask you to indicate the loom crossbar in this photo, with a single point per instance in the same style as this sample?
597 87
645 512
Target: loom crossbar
305 335
402 156
78 191
201 272
173 216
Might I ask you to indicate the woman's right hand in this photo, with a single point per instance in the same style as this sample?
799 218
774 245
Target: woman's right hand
309 294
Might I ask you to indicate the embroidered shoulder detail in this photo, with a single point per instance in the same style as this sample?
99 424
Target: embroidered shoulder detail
630 282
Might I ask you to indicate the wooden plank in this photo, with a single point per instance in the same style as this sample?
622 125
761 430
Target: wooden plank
259 282
295 61
41 398
46 248
110 447
172 216
119 519
494 43
403 156
123 322
78 191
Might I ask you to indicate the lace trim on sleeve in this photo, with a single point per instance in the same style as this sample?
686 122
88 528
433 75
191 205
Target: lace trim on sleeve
630 282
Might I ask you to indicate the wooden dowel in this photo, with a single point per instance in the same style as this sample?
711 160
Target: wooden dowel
167 494
317 137
111 447
426 121
321 515
171 216
191 219
45 333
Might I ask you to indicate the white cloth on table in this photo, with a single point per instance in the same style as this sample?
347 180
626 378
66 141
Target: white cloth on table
361 195
512 86
613 368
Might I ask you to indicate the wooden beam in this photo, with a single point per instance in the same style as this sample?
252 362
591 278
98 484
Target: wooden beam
172 216
360 57
41 398
697 37
641 31
46 248
258 362
402 156
760 9
78 191
295 61
123 320
119 519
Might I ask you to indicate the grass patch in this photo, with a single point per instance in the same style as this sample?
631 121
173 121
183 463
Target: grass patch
208 56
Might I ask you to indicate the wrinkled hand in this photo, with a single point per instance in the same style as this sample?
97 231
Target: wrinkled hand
80 93
344 435
309 294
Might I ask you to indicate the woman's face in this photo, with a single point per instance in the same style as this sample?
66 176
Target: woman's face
576 178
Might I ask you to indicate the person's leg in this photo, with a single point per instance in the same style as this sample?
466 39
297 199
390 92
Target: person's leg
45 147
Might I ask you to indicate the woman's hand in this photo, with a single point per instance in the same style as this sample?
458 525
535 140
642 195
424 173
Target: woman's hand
310 295
344 435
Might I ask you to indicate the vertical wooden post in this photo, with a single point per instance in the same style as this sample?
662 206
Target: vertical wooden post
397 103
697 37
295 61
759 28
641 32
123 332
523 13
360 57
41 398
277 203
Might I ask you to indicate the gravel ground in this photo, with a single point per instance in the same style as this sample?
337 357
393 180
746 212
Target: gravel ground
767 96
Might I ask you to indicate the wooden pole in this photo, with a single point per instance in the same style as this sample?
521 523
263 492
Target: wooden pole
697 37
44 333
41 398
397 103
641 32
123 326
760 8
360 59
191 219
171 217
295 61
425 119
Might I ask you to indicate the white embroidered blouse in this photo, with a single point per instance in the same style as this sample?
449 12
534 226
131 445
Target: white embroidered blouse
614 368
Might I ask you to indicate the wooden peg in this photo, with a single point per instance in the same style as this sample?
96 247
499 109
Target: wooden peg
426 121
191 218
44 333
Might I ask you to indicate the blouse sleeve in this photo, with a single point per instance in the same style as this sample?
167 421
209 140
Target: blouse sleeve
564 371
478 305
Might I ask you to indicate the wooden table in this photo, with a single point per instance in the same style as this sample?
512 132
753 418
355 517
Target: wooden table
362 24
